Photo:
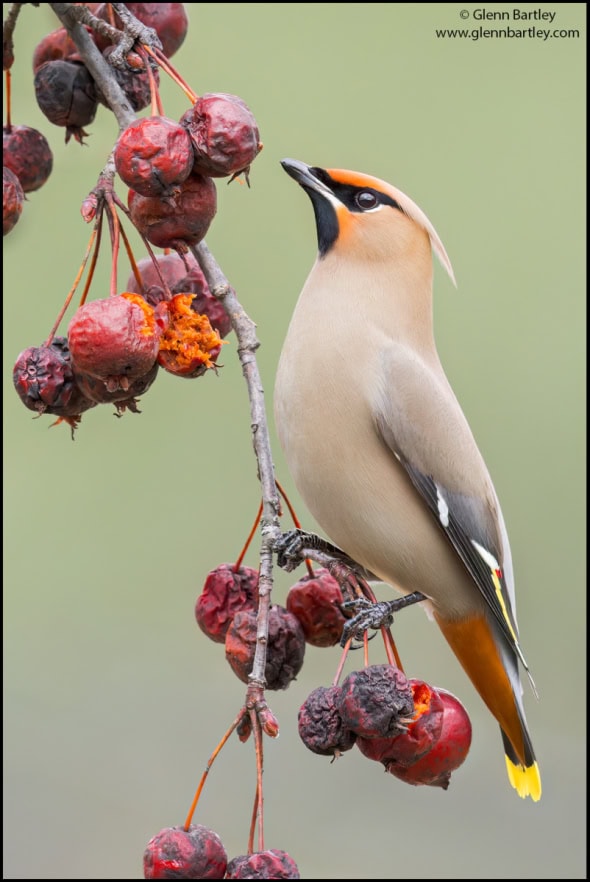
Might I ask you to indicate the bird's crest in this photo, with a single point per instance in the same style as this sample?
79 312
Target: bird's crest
407 205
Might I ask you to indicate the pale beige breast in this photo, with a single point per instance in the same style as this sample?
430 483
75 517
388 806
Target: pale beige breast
352 484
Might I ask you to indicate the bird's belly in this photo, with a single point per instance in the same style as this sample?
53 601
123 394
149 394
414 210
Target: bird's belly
363 500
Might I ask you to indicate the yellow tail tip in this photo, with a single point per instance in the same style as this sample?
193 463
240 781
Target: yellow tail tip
526 780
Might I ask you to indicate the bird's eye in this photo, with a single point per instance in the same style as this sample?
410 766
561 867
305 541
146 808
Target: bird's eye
366 200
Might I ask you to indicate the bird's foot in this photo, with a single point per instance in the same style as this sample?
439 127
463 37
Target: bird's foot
374 615
295 546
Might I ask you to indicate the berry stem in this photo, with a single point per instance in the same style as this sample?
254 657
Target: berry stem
258 741
211 760
111 15
253 822
294 517
296 523
115 228
130 257
122 207
391 649
164 63
157 107
368 592
238 563
340 667
93 262
72 291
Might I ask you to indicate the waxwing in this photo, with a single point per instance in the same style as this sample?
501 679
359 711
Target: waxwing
377 443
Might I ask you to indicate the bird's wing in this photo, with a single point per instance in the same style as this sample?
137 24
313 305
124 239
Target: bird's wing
419 419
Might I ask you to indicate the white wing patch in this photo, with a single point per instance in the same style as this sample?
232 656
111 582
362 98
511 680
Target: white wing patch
486 555
443 509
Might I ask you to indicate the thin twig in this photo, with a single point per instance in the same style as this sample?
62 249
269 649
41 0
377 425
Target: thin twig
7 33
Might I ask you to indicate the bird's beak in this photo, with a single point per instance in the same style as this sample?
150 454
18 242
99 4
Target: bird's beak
304 175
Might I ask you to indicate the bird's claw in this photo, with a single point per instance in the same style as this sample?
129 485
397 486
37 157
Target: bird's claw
288 548
370 615
295 546
374 615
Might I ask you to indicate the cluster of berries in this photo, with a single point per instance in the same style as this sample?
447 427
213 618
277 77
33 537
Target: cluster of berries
166 316
116 345
27 160
66 92
27 163
420 734
226 611
169 166
68 96
198 853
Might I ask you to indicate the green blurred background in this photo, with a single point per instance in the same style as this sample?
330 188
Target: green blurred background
113 699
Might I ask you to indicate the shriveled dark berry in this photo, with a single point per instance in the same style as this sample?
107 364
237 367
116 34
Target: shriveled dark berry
27 153
226 591
284 653
153 155
422 733
270 864
434 768
115 339
320 724
12 200
177 221
44 380
176 853
224 133
169 20
134 82
66 94
316 601
376 701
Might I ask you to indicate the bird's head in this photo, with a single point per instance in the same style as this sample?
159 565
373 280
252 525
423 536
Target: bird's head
365 217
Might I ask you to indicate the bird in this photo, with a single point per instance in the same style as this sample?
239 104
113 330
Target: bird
378 446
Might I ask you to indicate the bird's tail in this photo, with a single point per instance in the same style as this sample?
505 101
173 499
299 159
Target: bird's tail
523 775
492 667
